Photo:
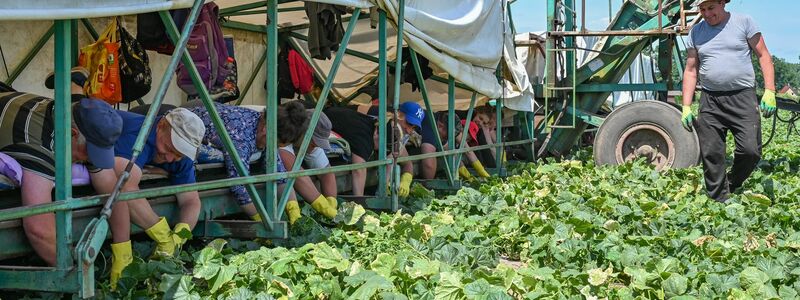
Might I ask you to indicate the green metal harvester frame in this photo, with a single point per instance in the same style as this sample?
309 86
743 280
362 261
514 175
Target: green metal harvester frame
583 89
83 220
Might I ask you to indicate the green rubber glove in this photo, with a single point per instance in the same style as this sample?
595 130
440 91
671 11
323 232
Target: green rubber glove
687 117
405 184
768 106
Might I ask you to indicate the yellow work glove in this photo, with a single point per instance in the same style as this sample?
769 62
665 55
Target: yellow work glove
179 241
464 173
687 117
162 235
257 217
480 170
321 206
332 202
405 185
768 105
292 211
121 257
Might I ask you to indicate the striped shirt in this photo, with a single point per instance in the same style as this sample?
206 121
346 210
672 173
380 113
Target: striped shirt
26 118
27 131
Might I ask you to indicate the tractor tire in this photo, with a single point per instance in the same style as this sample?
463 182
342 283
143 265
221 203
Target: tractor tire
646 129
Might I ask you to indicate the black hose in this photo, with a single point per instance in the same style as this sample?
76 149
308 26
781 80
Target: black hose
771 131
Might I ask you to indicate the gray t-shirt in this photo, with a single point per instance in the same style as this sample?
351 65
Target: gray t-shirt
724 54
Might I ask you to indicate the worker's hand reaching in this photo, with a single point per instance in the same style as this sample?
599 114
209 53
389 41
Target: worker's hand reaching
768 106
687 117
405 185
480 170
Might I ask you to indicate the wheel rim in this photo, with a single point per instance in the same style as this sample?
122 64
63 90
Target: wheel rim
648 141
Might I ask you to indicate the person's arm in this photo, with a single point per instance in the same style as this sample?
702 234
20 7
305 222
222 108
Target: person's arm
406 167
689 87
183 172
327 182
690 77
239 192
303 184
764 60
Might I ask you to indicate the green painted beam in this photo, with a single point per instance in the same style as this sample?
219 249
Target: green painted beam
229 10
23 64
439 184
301 153
63 144
39 279
270 208
241 229
586 117
382 98
620 87
90 29
464 150
423 89
244 26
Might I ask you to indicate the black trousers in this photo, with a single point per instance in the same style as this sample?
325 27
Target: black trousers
720 112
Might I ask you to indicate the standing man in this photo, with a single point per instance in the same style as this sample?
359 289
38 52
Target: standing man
719 48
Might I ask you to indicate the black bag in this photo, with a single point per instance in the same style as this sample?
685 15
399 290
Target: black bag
286 89
4 88
134 67
152 34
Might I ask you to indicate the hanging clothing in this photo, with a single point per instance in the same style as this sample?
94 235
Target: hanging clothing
286 89
301 73
409 75
325 31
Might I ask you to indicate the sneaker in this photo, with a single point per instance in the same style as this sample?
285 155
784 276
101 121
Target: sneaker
77 74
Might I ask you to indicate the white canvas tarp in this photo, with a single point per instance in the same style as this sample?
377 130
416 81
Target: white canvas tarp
461 38
466 39
70 9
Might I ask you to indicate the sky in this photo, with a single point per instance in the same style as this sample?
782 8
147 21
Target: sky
778 20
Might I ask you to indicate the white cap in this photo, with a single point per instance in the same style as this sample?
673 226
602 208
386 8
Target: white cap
187 131
698 3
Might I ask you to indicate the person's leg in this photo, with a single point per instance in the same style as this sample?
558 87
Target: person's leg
428 165
40 229
745 124
712 133
359 177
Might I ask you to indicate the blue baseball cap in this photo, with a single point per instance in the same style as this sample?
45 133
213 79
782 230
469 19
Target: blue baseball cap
414 113
101 126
